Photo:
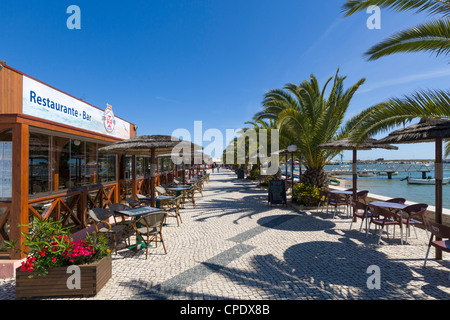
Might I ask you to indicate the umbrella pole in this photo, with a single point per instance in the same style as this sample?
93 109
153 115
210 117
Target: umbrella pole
133 176
152 178
355 177
438 175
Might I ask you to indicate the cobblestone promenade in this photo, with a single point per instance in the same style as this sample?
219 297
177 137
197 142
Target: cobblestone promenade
235 246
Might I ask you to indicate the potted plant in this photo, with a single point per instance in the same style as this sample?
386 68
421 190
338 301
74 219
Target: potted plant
56 265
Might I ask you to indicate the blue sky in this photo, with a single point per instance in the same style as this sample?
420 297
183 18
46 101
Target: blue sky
164 64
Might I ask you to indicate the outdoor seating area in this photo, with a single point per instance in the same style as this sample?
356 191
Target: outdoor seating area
136 217
382 215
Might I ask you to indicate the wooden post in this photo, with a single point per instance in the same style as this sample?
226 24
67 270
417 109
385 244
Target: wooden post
438 175
19 203
152 177
133 176
355 178
355 175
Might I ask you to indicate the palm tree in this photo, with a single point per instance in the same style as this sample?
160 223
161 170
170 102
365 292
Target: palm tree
432 36
309 117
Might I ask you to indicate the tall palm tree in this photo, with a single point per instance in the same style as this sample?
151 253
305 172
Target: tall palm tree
310 117
432 36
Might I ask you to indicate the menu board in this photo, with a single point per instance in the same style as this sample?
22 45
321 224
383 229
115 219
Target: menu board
5 170
277 192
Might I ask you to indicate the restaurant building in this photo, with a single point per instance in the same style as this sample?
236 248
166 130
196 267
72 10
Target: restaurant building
50 166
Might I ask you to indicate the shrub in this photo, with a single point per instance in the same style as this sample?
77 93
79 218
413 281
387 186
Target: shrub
305 194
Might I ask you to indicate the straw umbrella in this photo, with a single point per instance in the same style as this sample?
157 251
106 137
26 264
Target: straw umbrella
427 131
152 145
193 155
348 144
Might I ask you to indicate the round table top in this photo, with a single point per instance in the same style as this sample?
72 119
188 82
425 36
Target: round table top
386 204
342 191
162 198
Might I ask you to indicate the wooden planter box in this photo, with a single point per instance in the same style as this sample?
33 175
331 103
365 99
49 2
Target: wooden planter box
92 279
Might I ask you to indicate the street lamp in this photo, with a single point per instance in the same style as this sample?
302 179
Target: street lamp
292 148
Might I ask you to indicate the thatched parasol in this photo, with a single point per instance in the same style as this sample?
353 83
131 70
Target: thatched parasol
427 131
424 131
152 145
348 144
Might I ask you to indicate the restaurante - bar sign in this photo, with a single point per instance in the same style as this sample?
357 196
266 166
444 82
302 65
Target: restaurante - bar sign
42 101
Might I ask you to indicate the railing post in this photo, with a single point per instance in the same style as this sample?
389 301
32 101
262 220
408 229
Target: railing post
19 203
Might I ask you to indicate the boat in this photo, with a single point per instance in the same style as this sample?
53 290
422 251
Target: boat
334 182
429 181
367 174
342 171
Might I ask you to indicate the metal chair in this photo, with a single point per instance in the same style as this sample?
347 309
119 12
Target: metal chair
149 229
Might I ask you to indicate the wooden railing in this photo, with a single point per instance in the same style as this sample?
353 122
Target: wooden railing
72 207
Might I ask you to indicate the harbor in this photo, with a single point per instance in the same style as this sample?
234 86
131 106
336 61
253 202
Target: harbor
379 183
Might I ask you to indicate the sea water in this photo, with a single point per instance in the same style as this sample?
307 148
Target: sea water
397 187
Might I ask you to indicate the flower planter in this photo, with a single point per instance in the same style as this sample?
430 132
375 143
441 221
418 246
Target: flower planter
92 279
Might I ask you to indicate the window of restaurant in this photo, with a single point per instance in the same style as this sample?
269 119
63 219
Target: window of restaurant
106 167
5 185
143 165
6 165
62 163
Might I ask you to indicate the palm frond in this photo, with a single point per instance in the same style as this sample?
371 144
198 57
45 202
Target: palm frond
432 36
432 104
433 7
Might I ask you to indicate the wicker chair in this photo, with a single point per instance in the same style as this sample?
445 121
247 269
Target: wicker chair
101 217
172 208
162 191
383 218
149 229
133 202
189 195
127 222
413 212
335 200
439 231
360 211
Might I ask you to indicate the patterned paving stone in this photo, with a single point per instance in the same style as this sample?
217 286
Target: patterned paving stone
233 245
